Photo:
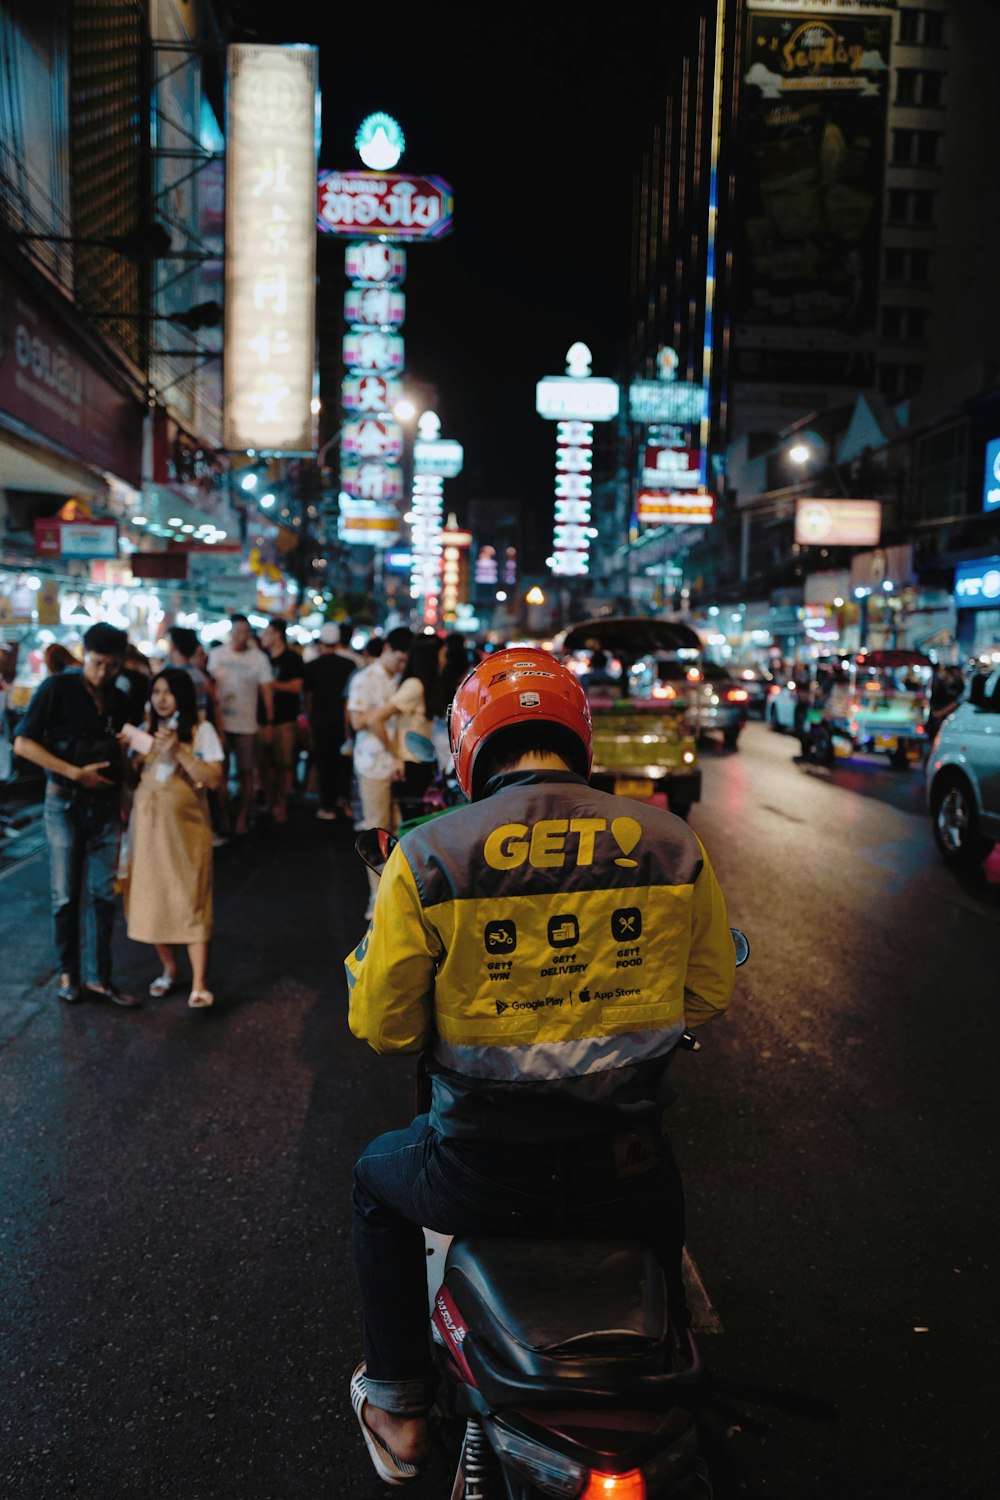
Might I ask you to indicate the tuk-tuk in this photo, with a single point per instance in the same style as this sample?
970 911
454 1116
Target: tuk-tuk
644 741
877 704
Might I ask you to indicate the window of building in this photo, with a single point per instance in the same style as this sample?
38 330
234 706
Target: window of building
918 266
910 206
904 323
907 265
897 381
895 264
940 472
915 148
933 28
919 86
922 28
921 208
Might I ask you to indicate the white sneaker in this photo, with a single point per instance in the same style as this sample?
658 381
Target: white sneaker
325 815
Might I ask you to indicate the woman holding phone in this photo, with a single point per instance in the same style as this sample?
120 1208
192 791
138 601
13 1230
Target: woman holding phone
169 895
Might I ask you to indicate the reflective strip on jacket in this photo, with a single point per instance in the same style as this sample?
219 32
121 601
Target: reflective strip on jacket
547 946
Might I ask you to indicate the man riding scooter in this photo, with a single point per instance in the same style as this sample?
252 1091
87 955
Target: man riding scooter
545 947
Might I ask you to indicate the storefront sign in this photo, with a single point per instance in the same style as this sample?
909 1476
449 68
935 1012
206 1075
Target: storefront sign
374 307
48 383
173 565
671 468
838 523
371 261
367 525
395 206
372 437
678 402
991 484
674 508
270 298
977 584
371 393
47 603
372 480
76 539
444 457
821 7
563 397
372 350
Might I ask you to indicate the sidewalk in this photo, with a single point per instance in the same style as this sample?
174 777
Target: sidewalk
262 883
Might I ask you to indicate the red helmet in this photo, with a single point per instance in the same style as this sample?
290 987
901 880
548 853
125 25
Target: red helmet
516 689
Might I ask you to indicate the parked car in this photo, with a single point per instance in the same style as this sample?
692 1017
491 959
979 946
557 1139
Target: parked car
644 744
757 681
963 775
715 702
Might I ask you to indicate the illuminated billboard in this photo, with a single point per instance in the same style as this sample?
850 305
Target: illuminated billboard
838 523
270 330
812 153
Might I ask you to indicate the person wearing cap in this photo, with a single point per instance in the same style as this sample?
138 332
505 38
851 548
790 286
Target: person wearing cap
73 730
325 681
545 948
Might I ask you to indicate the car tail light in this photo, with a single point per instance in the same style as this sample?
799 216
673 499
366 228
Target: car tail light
663 690
737 695
630 1486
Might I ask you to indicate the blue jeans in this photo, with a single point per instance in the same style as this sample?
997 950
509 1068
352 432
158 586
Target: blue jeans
83 834
581 1189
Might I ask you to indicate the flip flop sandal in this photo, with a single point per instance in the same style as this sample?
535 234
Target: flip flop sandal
201 999
162 986
390 1469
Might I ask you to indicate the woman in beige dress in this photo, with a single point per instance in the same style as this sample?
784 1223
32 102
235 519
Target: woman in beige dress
169 895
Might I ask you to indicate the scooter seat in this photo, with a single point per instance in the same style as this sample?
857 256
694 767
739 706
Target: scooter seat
547 1322
554 1296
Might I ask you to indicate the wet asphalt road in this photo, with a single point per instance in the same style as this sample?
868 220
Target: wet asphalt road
177 1314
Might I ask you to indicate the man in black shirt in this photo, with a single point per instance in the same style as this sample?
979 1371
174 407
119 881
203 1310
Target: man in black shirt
326 678
72 729
276 740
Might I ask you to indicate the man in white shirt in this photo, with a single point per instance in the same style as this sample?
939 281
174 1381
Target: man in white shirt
376 763
242 671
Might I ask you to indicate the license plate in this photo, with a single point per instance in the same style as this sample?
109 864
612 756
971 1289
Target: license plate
885 742
626 786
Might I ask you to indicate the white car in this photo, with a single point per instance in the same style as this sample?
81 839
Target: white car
963 775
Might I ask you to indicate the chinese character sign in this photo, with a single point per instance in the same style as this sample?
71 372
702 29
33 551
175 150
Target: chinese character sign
270 332
374 357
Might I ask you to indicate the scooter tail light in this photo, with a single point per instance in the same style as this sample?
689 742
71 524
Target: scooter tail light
552 1472
630 1486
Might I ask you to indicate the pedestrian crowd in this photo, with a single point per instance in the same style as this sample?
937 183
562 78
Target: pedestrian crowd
151 766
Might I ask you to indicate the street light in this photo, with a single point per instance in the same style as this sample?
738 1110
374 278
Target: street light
799 453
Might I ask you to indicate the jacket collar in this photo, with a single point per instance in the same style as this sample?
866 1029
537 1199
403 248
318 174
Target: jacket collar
506 779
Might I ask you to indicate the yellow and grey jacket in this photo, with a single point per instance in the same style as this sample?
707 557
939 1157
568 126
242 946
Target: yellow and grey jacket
546 946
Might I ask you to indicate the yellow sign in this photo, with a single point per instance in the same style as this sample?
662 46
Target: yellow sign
47 603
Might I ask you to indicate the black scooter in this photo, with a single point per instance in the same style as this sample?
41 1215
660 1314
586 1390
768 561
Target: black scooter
562 1374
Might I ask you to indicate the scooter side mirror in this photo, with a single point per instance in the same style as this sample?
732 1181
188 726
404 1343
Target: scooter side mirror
741 944
374 846
420 747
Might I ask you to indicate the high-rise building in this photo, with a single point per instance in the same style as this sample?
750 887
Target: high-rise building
855 228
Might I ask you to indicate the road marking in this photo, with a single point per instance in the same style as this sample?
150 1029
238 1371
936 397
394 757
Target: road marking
704 1318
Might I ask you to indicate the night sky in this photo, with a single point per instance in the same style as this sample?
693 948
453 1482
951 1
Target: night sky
536 115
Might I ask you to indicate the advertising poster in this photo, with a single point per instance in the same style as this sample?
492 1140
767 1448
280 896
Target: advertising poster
813 128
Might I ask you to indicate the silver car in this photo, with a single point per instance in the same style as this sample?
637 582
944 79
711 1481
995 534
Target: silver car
963 775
